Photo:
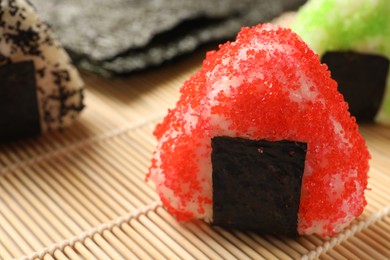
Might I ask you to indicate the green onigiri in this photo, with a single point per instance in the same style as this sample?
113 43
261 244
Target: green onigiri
348 25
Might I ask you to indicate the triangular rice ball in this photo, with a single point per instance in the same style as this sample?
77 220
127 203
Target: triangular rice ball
266 87
25 40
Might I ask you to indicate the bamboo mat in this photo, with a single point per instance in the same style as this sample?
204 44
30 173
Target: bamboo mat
81 194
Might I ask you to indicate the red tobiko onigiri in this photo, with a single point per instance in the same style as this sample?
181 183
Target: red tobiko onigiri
287 146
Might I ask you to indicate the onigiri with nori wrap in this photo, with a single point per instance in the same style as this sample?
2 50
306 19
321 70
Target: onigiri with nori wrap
40 89
353 38
261 139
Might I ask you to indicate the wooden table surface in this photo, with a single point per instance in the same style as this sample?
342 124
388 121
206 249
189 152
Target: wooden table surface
81 194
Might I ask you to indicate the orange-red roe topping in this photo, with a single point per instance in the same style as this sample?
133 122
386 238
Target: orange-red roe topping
263 69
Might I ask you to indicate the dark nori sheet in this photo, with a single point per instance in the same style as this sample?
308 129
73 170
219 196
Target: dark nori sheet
257 184
19 115
361 78
120 36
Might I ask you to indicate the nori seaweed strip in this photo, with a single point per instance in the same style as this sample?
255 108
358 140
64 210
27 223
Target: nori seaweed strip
133 34
361 79
257 184
19 115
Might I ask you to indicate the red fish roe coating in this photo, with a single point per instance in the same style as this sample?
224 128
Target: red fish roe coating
266 85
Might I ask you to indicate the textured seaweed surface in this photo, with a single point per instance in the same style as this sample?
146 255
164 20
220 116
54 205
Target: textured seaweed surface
19 106
121 36
361 79
257 184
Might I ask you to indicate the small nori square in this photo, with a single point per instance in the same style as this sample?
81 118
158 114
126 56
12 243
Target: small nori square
257 184
19 115
361 79
129 35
